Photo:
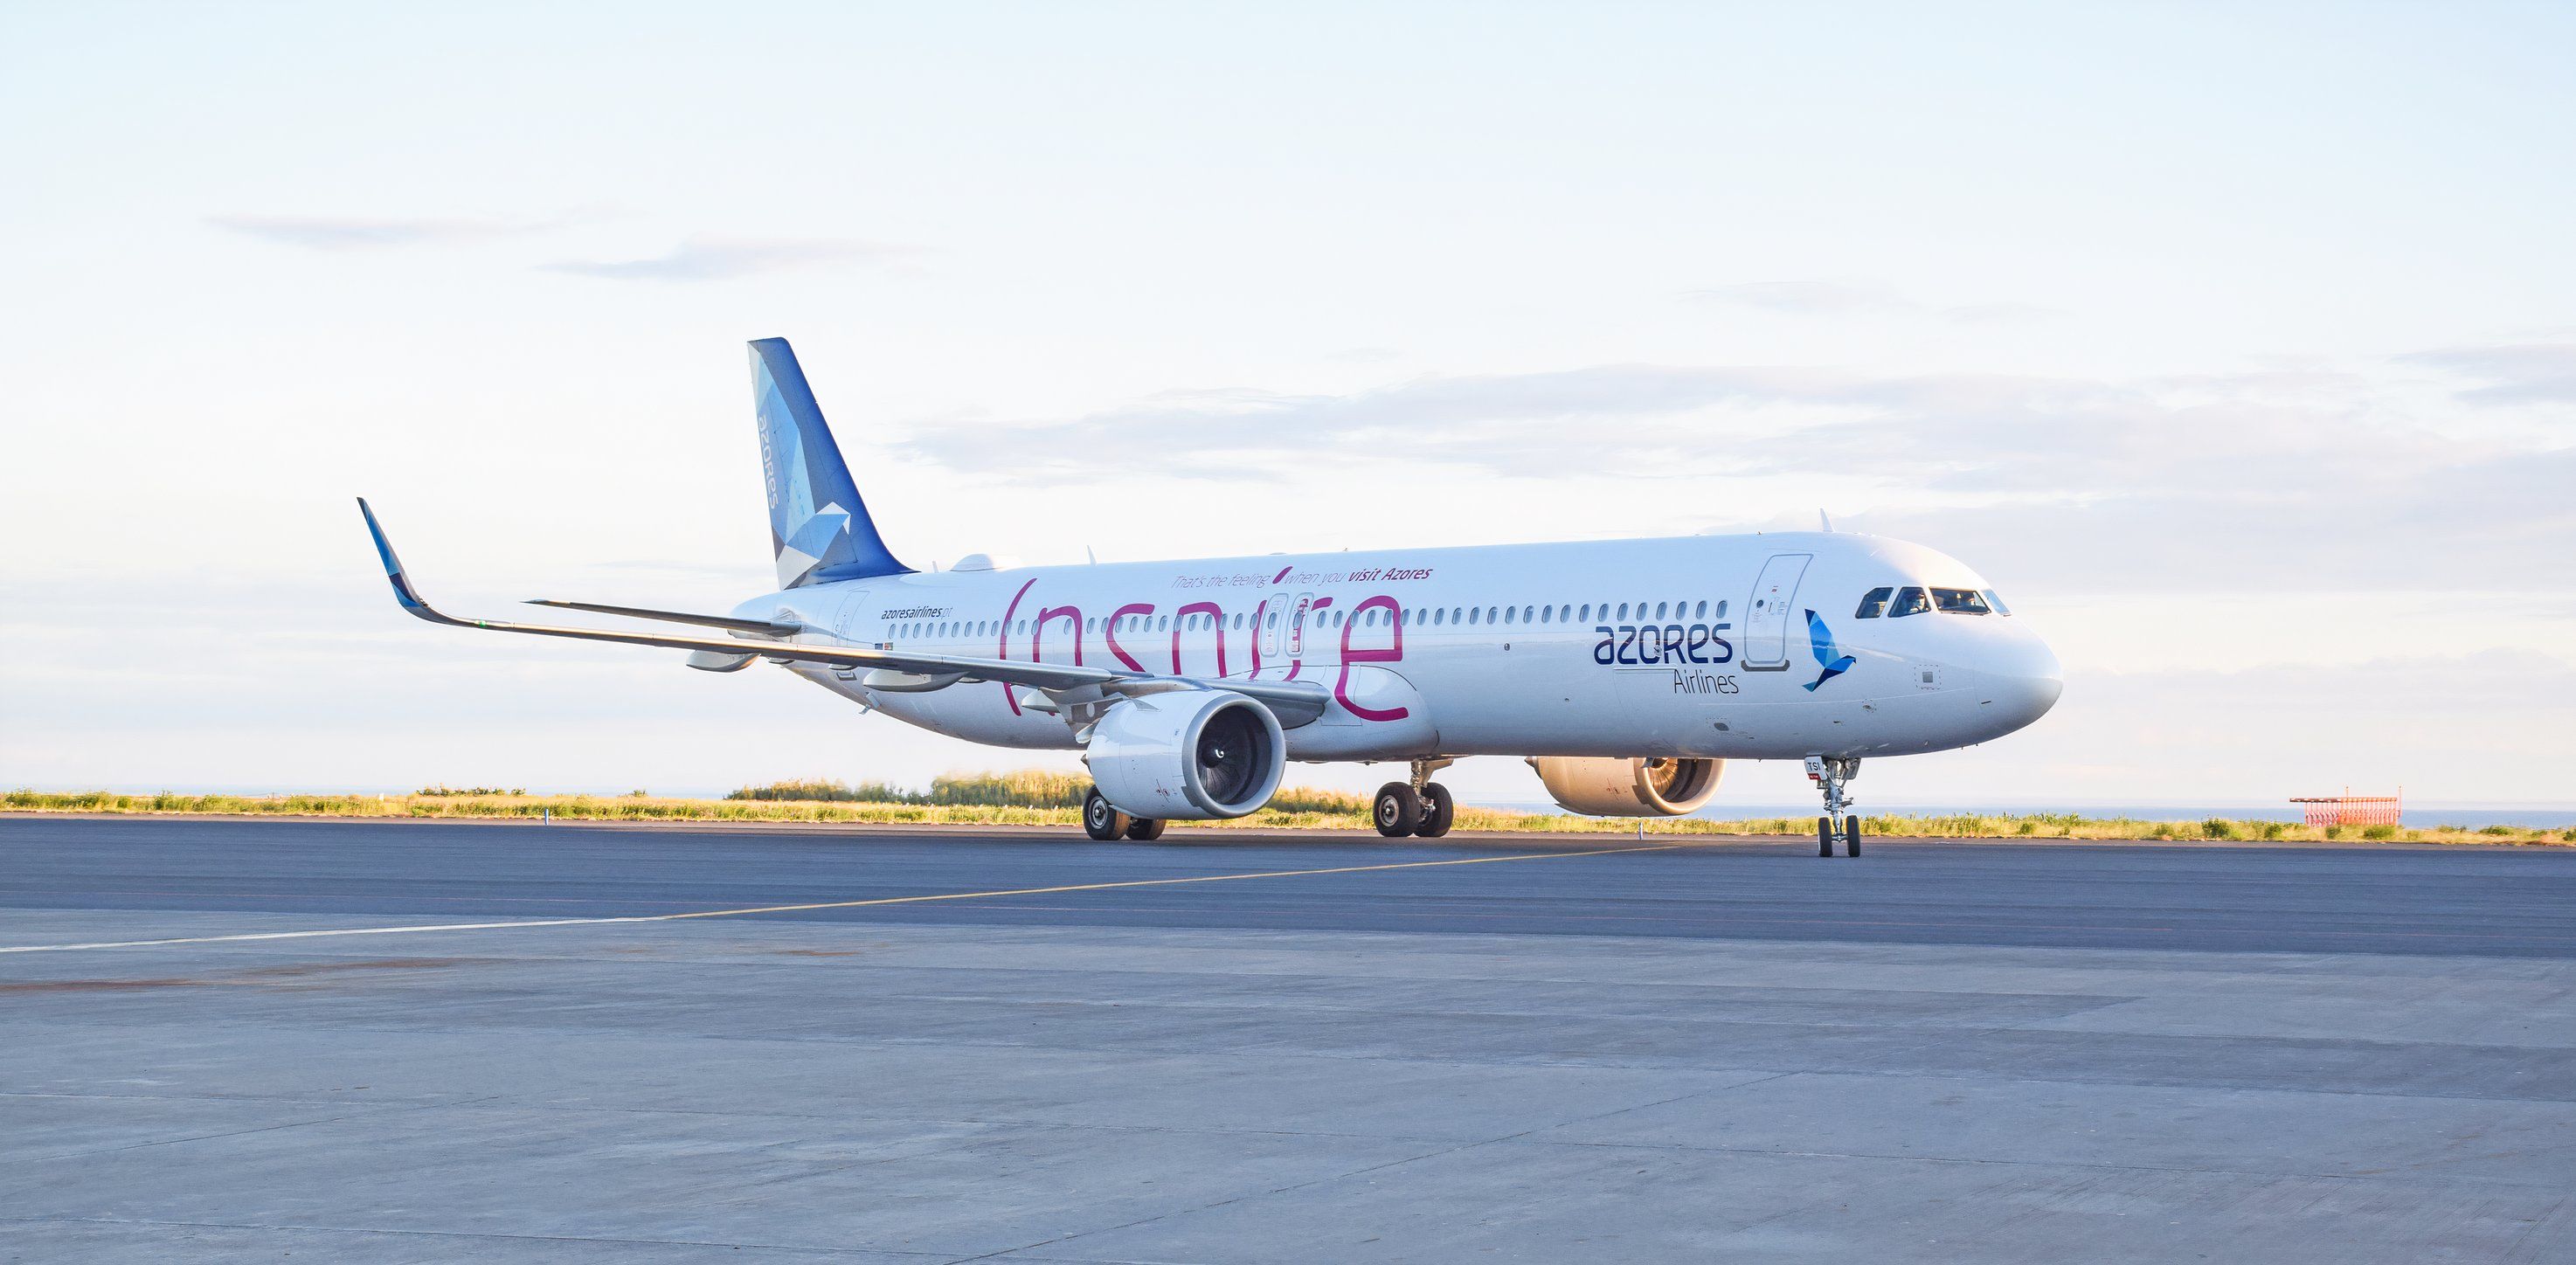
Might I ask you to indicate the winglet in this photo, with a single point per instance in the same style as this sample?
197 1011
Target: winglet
403 592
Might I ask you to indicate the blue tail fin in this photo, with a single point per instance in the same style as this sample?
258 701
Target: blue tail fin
818 527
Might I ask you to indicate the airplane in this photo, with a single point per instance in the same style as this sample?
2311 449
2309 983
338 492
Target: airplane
1625 672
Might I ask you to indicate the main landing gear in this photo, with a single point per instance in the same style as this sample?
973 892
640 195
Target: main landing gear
1104 823
1830 775
1421 807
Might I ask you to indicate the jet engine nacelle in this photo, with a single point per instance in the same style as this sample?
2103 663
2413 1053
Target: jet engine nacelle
1187 755
1651 786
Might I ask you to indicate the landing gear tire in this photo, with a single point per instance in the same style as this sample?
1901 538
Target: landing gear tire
1439 808
1824 836
1851 835
1145 829
1397 810
1101 821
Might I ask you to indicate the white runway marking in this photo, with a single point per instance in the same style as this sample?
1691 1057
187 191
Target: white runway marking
784 909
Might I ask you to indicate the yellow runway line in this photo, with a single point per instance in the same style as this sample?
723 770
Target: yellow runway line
833 904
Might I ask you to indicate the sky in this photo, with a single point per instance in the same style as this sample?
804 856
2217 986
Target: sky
2235 344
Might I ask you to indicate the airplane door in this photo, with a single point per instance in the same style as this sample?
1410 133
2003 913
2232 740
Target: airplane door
1766 617
846 626
1297 612
1274 616
852 606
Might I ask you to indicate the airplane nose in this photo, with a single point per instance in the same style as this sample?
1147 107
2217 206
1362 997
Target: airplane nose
2026 682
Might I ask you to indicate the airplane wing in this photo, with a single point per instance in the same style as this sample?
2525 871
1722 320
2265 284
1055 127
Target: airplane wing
764 627
1298 701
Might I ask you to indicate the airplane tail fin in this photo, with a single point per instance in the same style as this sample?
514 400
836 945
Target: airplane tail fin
818 526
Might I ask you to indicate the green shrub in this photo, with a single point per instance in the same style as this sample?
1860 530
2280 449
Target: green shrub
2218 828
2379 832
1300 799
2275 829
1026 788
2505 831
819 791
2334 832
444 790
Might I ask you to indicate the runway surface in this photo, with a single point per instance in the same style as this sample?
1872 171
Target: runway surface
580 1042
2515 901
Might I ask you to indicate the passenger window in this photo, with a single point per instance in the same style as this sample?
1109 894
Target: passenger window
1472 615
1873 603
1960 602
1996 600
1659 610
1909 601
1623 610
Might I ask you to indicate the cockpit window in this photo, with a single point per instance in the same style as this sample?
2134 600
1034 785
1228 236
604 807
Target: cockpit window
1960 602
1909 601
1873 603
1996 600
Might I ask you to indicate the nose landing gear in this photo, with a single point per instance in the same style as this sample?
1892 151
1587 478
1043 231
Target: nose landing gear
1830 776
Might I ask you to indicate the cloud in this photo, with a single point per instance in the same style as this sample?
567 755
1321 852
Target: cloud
1859 298
711 259
2289 480
2524 373
1807 297
2469 725
1980 433
318 232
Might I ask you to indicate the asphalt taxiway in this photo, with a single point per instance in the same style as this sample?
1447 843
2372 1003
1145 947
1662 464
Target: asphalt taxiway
399 1041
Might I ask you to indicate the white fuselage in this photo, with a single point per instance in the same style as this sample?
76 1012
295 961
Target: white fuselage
1690 646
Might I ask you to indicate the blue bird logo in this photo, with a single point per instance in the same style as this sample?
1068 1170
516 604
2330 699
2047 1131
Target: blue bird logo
1828 655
